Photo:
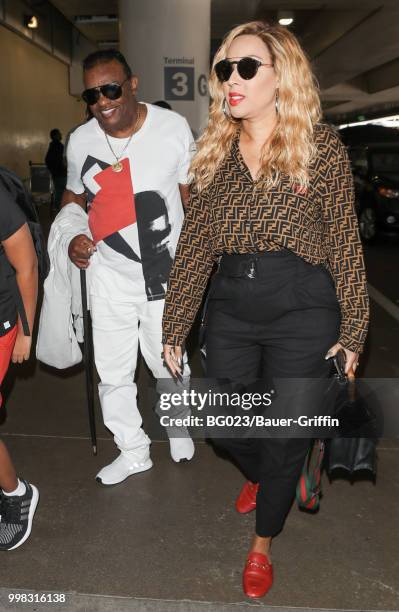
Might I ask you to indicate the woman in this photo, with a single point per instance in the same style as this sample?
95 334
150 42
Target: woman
273 199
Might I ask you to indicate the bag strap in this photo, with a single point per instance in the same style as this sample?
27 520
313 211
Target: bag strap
12 281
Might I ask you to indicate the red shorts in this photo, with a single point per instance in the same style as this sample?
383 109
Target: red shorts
7 343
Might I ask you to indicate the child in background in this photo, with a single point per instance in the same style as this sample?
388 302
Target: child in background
18 498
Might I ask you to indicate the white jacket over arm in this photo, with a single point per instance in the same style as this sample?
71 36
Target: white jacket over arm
57 344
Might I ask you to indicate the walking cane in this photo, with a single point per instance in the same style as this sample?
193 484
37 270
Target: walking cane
88 361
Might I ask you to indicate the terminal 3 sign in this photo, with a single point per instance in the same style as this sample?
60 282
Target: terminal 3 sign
179 79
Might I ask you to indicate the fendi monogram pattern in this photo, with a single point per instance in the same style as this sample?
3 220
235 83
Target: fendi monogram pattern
233 216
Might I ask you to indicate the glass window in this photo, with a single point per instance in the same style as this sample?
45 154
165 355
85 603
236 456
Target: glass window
386 164
358 158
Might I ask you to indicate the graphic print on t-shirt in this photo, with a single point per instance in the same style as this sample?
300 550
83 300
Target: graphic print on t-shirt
113 205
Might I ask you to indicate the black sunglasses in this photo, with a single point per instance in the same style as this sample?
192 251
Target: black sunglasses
247 67
112 91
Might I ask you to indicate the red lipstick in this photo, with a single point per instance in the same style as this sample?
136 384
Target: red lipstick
235 98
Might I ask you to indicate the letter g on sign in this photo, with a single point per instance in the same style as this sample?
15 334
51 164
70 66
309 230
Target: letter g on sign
202 85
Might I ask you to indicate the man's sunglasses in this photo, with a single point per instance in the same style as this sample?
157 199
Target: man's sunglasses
112 91
247 67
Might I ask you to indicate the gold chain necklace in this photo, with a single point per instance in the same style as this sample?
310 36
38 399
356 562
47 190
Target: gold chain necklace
118 166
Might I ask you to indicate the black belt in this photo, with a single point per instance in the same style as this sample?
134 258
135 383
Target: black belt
249 265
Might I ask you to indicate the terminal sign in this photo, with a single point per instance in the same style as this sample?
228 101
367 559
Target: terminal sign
179 82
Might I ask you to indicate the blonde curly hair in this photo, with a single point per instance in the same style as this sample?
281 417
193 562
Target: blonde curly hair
291 147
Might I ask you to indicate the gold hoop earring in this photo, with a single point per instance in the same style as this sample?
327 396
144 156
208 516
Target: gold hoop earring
277 103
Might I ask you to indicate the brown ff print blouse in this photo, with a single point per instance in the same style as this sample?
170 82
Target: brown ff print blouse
232 216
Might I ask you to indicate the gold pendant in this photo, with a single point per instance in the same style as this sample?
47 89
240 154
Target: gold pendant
117 167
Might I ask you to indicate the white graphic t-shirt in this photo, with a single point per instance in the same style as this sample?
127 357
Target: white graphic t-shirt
135 215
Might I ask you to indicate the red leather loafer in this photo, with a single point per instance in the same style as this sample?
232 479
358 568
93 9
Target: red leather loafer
246 501
257 578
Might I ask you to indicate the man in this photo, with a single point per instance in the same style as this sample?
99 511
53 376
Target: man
130 163
55 163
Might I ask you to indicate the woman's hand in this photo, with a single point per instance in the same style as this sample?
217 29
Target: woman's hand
22 348
352 359
173 359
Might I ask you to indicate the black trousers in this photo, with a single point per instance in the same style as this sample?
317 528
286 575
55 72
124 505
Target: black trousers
270 316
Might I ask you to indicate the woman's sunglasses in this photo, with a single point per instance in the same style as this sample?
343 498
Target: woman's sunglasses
112 91
247 67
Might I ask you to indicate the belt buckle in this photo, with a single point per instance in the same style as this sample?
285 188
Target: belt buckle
250 272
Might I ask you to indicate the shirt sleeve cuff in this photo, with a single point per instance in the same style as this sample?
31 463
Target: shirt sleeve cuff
351 343
12 230
173 340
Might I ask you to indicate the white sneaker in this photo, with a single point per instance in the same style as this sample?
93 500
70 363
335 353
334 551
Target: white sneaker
182 449
121 468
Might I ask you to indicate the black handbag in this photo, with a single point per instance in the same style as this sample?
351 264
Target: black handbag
352 454
353 445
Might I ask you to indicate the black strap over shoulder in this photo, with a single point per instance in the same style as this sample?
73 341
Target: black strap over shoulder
14 186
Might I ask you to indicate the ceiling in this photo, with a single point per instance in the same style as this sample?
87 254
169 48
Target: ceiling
97 32
353 44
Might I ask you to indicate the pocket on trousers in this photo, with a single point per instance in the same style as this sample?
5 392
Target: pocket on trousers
220 287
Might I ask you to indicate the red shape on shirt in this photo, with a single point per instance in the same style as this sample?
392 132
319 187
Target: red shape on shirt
113 206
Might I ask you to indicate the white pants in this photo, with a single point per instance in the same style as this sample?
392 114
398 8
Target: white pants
118 328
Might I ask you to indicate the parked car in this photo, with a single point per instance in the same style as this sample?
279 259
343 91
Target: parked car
376 175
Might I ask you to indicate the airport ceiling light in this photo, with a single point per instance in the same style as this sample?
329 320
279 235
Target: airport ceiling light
285 18
108 44
94 19
31 22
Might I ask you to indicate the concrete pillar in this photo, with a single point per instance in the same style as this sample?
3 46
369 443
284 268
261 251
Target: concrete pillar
167 44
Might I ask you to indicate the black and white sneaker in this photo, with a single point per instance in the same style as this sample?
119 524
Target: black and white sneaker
16 518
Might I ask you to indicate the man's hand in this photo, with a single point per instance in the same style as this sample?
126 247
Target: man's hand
22 348
80 249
